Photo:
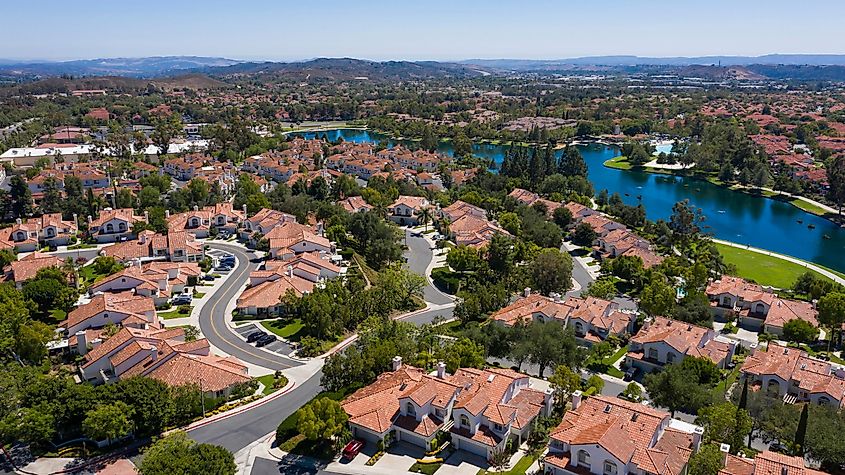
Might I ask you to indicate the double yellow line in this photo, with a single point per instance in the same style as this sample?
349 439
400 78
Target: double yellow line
219 335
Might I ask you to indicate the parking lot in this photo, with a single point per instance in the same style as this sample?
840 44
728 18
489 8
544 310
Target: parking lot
279 347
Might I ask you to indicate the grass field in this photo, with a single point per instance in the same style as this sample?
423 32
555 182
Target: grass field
619 163
176 313
763 269
518 469
269 380
284 328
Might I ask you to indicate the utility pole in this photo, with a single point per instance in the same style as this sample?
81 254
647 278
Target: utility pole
202 398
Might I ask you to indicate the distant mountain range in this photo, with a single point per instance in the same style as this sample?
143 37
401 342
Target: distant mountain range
775 66
129 67
769 59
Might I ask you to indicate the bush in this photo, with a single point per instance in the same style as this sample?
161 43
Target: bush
446 280
186 309
193 280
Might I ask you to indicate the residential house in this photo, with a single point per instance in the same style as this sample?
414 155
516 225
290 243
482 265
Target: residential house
163 355
663 341
158 280
591 318
756 307
114 225
199 222
123 308
48 229
471 230
481 409
27 267
354 204
292 238
791 374
175 246
459 209
604 435
404 211
265 296
764 463
264 221
529 198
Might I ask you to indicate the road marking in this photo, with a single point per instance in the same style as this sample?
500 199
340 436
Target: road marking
214 327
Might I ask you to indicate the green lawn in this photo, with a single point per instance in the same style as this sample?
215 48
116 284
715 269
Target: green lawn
269 381
763 269
519 469
176 313
287 329
88 275
808 207
198 295
619 163
427 468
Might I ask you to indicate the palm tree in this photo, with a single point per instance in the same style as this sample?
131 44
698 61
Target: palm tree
424 216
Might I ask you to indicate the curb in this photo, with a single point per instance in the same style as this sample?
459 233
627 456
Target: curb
202 423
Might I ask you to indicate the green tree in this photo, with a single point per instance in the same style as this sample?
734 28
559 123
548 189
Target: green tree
572 163
463 258
176 453
51 201
74 202
108 421
831 308
800 331
510 222
584 235
551 271
836 178
564 381
595 382
462 145
725 423
632 392
321 419
150 401
21 197
685 385
562 217
463 353
707 461
657 298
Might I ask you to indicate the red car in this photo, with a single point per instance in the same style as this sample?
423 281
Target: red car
352 449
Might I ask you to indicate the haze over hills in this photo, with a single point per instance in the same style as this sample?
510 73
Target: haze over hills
797 67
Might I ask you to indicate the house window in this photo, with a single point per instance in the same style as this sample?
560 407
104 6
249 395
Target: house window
670 357
110 228
726 301
194 222
583 458
121 227
464 420
410 409
609 468
759 308
824 401
579 328
652 353
498 427
20 237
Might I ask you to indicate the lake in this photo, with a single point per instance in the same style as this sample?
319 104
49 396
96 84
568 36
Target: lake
731 216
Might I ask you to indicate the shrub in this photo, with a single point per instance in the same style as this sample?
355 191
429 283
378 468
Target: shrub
445 279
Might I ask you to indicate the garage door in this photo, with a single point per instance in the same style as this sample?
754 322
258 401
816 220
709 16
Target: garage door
473 448
412 439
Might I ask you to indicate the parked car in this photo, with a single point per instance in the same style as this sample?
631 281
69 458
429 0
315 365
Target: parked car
182 299
352 449
777 446
255 336
223 268
208 277
630 374
266 340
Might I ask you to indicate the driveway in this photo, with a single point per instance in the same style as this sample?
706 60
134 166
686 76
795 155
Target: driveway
279 347
420 255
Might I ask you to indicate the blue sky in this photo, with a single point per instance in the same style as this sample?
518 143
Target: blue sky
418 29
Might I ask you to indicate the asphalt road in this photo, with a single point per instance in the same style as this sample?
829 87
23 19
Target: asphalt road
212 318
238 431
419 254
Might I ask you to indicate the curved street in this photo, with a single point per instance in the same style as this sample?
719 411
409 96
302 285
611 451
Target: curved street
212 317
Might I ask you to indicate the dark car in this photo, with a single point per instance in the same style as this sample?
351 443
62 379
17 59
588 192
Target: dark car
352 449
255 336
630 374
208 277
777 446
266 340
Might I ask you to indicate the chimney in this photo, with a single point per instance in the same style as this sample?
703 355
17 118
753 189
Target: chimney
19 221
90 219
196 208
290 271
153 353
96 342
146 216
243 208
526 292
576 399
548 401
81 343
725 449
142 238
696 438
441 370
167 214
397 363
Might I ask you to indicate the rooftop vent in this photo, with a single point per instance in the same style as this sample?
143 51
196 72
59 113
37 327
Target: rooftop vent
635 416
607 409
490 378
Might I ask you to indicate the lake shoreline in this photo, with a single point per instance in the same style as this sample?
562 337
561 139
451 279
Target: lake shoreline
618 163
